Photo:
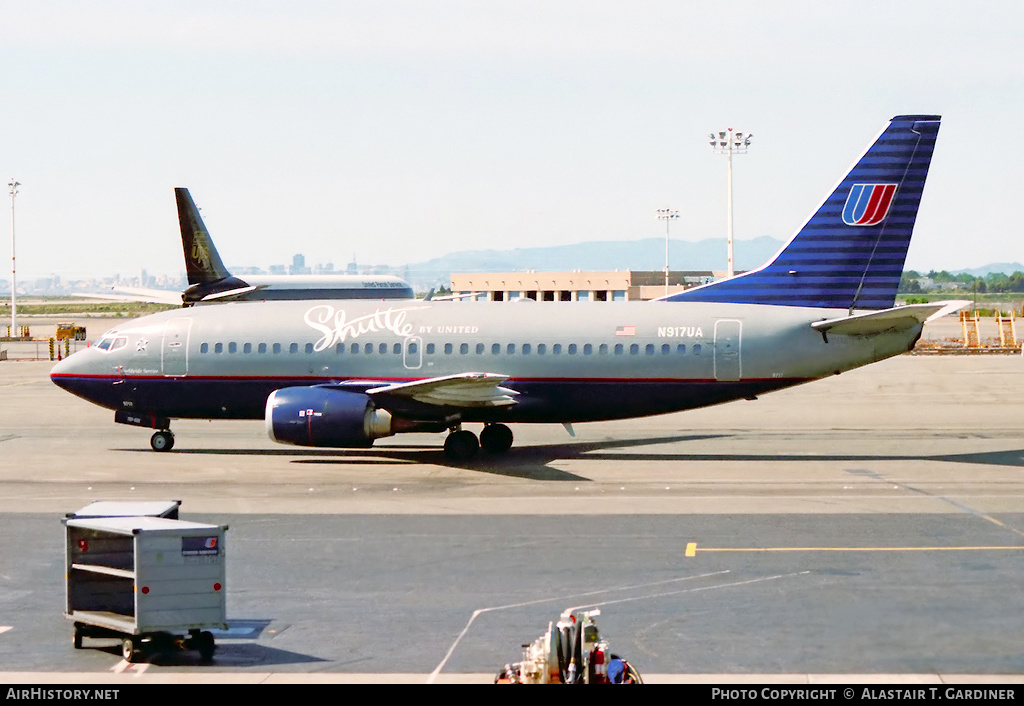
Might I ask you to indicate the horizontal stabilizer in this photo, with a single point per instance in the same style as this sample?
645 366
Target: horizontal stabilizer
136 294
896 319
229 293
463 390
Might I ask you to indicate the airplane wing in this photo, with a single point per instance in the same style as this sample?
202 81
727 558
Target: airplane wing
462 390
136 294
895 319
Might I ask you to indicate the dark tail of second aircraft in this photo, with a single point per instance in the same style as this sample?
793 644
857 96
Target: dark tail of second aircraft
202 261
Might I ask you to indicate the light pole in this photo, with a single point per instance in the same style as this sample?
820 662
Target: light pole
667 214
13 185
728 143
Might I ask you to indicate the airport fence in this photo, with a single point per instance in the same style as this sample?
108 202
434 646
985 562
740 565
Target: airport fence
39 349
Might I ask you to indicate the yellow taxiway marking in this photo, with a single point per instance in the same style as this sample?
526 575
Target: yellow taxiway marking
691 549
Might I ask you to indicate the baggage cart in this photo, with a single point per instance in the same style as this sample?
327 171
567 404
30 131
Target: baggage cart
152 582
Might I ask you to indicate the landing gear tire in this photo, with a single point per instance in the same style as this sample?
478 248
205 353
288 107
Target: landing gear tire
496 438
461 445
162 441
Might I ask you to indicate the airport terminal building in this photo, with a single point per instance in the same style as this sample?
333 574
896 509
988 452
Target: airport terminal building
595 286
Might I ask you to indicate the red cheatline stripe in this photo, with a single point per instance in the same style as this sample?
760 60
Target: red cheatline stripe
378 381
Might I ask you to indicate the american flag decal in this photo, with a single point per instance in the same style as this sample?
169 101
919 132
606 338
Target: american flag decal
625 330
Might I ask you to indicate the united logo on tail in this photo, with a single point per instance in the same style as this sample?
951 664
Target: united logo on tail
868 204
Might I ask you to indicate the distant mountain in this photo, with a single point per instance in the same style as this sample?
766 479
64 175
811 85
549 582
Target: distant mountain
647 254
1007 268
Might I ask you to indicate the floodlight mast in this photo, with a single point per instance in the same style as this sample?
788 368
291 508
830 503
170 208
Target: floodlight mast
13 187
667 214
728 143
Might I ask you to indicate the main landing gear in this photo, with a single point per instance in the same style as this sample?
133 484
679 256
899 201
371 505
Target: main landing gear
162 440
462 445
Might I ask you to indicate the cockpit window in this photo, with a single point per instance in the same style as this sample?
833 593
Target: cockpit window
108 338
119 343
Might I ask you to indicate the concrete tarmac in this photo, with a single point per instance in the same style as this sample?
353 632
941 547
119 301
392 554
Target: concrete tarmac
868 527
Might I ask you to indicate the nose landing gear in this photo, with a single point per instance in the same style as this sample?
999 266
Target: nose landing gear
162 440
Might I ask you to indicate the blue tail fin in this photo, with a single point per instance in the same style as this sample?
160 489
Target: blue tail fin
850 253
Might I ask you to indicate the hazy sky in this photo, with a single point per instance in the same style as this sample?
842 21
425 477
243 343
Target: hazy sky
400 131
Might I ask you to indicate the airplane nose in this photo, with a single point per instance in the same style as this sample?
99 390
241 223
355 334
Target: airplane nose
63 372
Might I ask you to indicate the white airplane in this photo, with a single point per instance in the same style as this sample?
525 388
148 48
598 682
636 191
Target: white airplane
343 373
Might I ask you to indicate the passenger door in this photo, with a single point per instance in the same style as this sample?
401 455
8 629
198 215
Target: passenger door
174 352
728 333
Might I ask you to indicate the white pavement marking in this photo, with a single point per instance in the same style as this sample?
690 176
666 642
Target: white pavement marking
481 611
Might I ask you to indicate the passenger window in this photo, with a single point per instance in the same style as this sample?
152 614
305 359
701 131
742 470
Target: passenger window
382 348
368 348
218 348
495 348
572 349
309 348
293 348
541 348
681 349
339 349
448 349
696 349
430 349
412 348
588 349
618 349
354 349
247 348
526 348
261 348
634 349
203 348
277 348
603 349
511 349
398 349
479 348
464 349
232 347
649 349
556 349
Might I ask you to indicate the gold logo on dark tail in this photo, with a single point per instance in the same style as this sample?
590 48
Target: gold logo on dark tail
199 252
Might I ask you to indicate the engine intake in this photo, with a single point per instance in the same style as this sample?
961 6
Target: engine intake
324 416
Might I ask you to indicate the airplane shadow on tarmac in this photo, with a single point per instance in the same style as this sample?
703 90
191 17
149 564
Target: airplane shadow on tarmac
527 462
533 462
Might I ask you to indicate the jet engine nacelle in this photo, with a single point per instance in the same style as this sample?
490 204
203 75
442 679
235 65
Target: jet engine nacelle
323 416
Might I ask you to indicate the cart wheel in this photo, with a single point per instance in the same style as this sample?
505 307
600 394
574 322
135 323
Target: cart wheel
130 650
205 645
78 638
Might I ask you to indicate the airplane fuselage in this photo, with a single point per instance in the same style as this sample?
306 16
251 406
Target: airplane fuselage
569 362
